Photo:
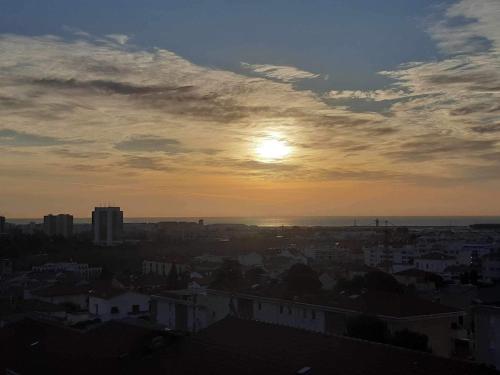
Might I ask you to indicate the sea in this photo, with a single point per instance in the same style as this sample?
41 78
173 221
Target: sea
328 221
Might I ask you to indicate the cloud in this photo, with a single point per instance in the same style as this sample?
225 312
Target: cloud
118 38
435 146
373 95
150 143
144 163
280 72
10 137
142 107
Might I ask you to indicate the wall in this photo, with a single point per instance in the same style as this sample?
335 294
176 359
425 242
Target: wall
487 332
123 302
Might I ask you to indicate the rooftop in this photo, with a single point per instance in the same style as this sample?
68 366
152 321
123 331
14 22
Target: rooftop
233 346
435 256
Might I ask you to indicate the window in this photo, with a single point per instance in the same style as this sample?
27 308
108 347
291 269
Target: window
289 310
135 309
313 314
260 306
305 313
281 309
115 310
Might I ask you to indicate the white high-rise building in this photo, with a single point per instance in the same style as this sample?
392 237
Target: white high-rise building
107 226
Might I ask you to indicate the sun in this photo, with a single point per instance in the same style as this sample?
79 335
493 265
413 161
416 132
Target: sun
272 149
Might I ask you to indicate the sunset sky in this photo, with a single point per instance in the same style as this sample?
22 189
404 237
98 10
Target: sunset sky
248 108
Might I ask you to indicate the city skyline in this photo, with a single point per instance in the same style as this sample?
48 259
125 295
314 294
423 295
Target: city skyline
300 109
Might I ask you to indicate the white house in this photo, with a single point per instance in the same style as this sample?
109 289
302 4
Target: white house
434 262
180 310
115 303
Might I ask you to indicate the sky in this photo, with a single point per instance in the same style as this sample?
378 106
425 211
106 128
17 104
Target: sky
250 108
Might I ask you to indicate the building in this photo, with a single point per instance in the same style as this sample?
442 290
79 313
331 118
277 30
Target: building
163 266
3 229
111 302
231 346
422 281
76 295
58 225
435 262
397 257
107 226
490 266
237 346
398 311
81 270
179 310
487 334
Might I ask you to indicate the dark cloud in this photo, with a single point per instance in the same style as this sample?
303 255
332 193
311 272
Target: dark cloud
431 146
79 154
475 81
10 137
145 163
150 143
108 86
475 108
484 129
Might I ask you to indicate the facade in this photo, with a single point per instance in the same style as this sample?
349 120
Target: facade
163 268
58 225
181 311
434 262
118 304
490 266
107 226
82 270
487 334
394 256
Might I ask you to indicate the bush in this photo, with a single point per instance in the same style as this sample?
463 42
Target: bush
369 328
411 340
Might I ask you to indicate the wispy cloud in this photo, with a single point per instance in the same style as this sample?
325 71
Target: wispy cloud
280 72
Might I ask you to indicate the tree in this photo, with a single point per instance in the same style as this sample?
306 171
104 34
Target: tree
411 340
368 327
301 278
229 276
382 282
253 275
173 277
374 281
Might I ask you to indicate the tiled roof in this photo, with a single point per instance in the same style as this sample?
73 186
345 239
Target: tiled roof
370 302
61 290
234 346
412 272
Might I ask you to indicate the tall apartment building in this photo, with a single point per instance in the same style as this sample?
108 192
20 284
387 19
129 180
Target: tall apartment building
107 225
58 225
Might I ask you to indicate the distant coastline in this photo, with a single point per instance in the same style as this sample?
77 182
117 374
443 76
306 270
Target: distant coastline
332 221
